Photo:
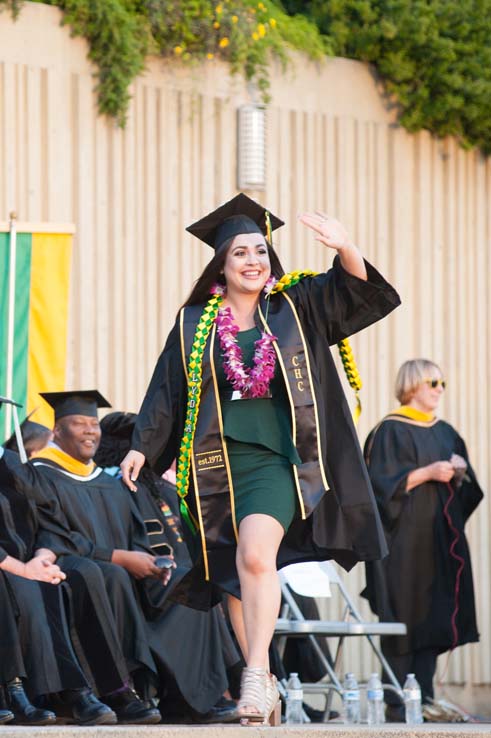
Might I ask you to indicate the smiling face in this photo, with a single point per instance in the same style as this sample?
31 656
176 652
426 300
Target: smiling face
426 397
78 435
247 266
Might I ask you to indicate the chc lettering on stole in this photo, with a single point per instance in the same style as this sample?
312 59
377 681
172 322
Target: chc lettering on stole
297 373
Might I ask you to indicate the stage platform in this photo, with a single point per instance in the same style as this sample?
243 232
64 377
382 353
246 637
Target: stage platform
331 730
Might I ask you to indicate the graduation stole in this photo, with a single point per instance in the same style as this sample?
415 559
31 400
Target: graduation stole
201 335
344 346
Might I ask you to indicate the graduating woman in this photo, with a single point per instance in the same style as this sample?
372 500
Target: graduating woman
247 397
426 491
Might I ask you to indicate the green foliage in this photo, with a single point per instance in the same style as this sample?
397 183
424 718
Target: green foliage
12 5
118 40
434 57
245 33
242 32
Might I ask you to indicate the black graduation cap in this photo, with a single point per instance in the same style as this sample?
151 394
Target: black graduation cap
238 215
76 402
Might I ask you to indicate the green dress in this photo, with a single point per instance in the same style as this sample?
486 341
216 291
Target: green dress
260 446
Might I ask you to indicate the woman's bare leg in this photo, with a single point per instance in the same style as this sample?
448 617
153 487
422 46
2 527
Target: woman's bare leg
259 540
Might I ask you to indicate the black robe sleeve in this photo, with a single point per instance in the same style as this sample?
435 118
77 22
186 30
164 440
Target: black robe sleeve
338 304
138 539
155 430
54 532
470 493
390 455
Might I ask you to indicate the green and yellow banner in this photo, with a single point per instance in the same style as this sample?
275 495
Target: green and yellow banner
34 290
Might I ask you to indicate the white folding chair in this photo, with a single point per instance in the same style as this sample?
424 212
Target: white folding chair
316 579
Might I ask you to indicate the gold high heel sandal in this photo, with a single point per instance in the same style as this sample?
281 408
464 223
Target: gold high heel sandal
258 690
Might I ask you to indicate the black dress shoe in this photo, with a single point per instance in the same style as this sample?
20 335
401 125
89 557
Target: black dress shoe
87 709
395 714
24 712
317 716
6 716
130 709
224 711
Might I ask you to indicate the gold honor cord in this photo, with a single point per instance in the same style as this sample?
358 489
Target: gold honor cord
203 329
352 374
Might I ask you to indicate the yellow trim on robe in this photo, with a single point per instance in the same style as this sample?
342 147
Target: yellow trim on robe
48 320
66 461
410 412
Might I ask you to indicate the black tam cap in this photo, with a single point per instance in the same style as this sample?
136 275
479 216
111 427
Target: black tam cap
238 215
83 402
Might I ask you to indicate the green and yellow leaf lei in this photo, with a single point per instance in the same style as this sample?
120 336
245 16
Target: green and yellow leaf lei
195 371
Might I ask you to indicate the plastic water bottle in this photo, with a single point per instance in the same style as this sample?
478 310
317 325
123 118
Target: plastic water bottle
375 701
294 700
351 699
412 701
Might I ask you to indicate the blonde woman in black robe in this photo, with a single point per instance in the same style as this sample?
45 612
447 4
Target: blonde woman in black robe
426 490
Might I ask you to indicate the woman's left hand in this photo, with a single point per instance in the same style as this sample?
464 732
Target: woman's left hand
460 466
333 234
458 462
330 231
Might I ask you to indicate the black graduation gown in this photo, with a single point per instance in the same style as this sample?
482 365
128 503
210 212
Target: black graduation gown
157 503
108 627
11 660
416 583
34 635
338 516
86 518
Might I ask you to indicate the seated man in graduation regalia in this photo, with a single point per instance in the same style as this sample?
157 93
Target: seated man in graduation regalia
97 535
110 640
157 502
36 655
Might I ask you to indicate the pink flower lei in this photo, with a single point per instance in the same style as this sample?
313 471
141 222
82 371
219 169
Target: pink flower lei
250 382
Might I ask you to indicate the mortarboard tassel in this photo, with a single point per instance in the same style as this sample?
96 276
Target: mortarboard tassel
269 231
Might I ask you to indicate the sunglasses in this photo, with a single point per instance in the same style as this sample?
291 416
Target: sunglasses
434 383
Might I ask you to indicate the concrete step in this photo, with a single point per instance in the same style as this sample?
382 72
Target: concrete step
331 730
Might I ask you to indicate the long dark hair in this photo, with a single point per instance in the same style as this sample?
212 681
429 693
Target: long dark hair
212 273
